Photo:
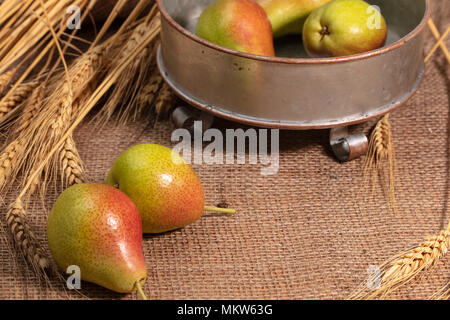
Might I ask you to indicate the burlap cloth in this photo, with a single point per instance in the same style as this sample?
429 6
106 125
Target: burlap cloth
305 233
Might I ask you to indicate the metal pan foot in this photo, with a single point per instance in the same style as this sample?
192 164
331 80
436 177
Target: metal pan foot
184 117
348 147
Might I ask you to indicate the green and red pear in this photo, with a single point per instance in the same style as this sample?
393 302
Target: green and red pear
98 228
240 25
289 16
344 27
166 190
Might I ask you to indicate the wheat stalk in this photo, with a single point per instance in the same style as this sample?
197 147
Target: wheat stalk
71 163
129 79
381 154
26 35
99 92
22 235
24 238
9 158
437 36
438 44
419 258
18 97
402 268
57 112
61 121
129 85
51 131
48 136
29 28
60 104
38 136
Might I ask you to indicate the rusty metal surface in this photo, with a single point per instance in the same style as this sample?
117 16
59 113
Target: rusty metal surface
293 93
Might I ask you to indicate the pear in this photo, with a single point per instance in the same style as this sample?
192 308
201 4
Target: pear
342 28
241 25
166 190
98 228
288 16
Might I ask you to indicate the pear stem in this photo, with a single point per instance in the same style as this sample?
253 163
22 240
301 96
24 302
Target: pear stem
220 210
141 292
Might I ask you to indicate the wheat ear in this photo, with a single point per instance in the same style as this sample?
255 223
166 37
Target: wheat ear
402 268
147 95
31 109
8 159
24 237
6 78
380 161
71 164
72 168
19 95
13 152
150 90
164 101
83 71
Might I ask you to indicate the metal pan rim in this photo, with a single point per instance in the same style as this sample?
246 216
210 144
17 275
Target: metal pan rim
345 59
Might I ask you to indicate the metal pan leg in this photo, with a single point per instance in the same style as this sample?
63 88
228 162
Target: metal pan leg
348 147
184 117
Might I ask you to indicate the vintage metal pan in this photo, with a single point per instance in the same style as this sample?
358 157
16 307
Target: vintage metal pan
293 91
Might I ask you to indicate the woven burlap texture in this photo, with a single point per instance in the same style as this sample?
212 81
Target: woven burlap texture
306 233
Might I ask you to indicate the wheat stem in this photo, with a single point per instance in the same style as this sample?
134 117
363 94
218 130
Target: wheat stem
438 44
443 293
437 35
29 33
112 16
58 46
